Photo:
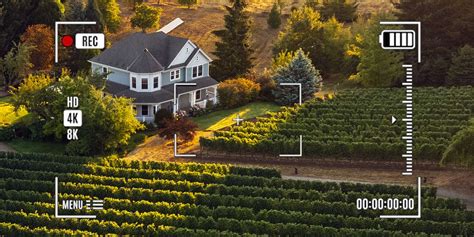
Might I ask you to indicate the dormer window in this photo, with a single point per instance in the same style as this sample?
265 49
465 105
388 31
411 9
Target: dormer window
144 83
175 75
155 82
134 82
197 71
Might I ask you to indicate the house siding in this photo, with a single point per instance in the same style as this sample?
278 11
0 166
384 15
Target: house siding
166 77
119 77
114 75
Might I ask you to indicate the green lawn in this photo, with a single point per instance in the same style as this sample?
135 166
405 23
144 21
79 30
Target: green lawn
7 115
224 118
21 145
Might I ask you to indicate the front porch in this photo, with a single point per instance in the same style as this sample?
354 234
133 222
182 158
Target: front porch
184 102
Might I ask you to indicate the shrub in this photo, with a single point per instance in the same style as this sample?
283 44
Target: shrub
237 92
267 85
184 127
6 134
161 116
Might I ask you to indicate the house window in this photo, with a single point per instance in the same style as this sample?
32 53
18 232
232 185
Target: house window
198 95
104 70
155 82
175 75
144 83
197 71
134 109
145 110
134 82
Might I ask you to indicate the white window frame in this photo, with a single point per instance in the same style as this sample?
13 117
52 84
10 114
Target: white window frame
147 83
175 75
105 70
199 73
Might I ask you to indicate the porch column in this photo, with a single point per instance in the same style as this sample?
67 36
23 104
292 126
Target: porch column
215 95
192 98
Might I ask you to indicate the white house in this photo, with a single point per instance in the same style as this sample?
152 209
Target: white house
145 67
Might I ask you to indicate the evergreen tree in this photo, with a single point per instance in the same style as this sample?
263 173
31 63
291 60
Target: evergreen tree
234 52
446 27
93 13
461 71
146 17
377 67
343 10
274 18
188 3
299 70
111 13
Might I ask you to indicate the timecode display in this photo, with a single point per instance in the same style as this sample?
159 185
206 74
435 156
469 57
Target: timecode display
389 204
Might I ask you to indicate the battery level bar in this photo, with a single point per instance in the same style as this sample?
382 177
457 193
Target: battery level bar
397 39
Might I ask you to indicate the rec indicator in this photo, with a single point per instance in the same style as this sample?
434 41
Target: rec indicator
84 41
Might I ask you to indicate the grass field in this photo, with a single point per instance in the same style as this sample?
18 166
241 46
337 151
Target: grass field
225 118
21 145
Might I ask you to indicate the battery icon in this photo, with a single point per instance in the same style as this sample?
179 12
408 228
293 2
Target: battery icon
397 39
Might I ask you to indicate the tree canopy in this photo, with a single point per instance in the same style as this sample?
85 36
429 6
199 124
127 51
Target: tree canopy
377 67
40 38
447 26
325 42
461 71
233 51
108 122
15 65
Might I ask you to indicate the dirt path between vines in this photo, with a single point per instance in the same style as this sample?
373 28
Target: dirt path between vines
451 181
5 147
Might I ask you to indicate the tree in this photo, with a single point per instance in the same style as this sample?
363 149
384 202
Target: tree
17 15
184 128
237 92
93 13
108 121
146 17
233 51
274 18
343 10
40 38
110 10
299 70
325 42
447 26
15 65
188 3
377 67
461 71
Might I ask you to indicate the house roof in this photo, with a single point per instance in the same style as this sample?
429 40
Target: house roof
165 94
142 53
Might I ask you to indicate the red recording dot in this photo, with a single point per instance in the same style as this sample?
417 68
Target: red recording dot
67 41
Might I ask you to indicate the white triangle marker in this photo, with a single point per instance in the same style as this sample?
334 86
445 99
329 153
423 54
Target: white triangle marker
394 120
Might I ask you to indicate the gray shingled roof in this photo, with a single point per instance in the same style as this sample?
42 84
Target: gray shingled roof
165 94
141 52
